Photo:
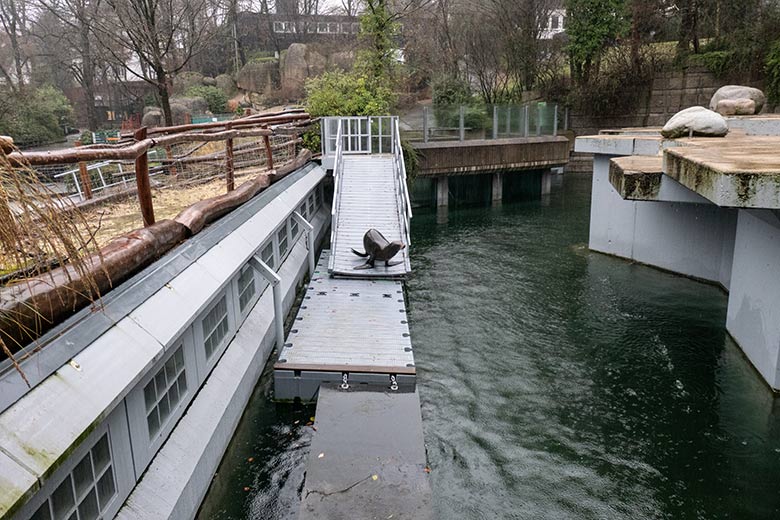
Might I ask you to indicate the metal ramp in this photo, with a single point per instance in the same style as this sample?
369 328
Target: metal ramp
370 192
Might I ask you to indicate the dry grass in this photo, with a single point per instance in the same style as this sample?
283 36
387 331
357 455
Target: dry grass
121 216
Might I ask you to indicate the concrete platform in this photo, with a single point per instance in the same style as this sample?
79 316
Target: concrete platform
737 171
367 458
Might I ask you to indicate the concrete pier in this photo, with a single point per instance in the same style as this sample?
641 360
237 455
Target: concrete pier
442 191
498 187
704 208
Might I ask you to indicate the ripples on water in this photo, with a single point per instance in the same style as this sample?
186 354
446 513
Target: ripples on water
558 383
555 383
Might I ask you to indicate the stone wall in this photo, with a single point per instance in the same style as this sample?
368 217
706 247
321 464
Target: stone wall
670 92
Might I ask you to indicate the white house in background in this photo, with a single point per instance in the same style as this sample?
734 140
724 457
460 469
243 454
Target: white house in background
555 23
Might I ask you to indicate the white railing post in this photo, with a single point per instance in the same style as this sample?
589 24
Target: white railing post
266 272
309 239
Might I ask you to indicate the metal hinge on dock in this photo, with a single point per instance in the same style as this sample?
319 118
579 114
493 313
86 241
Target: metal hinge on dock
345 380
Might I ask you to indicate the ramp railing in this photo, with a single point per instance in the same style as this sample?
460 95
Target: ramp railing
371 135
338 171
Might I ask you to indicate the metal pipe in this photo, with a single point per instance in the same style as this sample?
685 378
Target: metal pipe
538 119
425 124
555 120
462 122
269 274
495 121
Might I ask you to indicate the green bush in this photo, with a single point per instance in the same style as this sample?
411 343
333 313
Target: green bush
86 137
449 94
772 68
214 96
35 117
719 63
338 93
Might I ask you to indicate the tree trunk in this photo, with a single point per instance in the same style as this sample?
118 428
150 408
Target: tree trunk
88 77
162 93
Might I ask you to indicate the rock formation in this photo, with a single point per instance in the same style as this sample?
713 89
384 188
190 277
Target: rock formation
737 100
697 121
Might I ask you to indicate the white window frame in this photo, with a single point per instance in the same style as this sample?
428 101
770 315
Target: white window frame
206 365
121 462
345 28
144 449
259 288
322 27
280 258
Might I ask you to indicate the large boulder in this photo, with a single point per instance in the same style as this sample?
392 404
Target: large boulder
257 76
740 95
209 81
696 120
736 107
193 105
186 80
153 117
298 64
226 84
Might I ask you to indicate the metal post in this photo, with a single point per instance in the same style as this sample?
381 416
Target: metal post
266 272
566 119
526 120
229 179
85 180
309 239
425 124
462 122
495 121
555 120
508 121
538 119
142 181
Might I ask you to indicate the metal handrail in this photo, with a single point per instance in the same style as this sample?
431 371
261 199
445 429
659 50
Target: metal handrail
401 178
338 167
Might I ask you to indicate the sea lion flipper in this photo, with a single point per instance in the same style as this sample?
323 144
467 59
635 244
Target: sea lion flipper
363 255
363 266
391 264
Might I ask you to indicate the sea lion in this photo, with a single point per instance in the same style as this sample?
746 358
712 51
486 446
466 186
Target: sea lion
378 248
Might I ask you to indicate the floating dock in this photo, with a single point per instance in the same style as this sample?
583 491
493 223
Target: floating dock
350 349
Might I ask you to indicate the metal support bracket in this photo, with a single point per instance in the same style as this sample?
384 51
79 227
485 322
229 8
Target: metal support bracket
269 274
309 240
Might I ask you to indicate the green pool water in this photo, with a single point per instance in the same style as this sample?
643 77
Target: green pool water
555 383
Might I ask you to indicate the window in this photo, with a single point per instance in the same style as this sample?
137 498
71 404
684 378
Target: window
293 228
322 27
555 22
267 255
164 392
345 28
302 211
333 28
284 27
87 491
355 28
318 196
215 327
310 27
281 235
311 204
246 287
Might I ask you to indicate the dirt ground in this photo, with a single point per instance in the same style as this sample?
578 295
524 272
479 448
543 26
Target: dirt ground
114 218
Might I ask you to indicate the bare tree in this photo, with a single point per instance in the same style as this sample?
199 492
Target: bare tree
76 19
163 34
13 21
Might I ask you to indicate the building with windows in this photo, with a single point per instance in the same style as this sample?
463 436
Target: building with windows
555 23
